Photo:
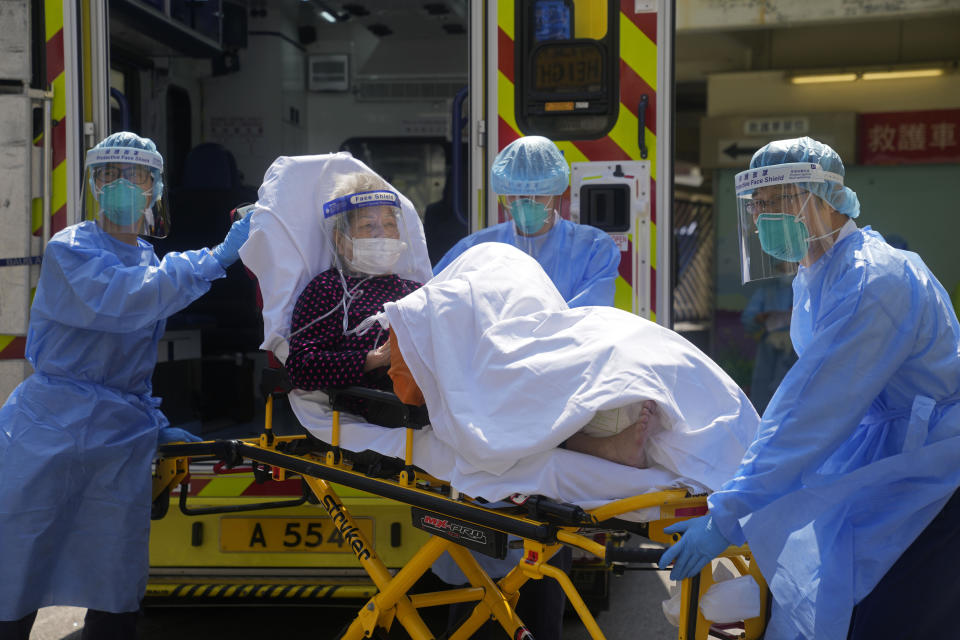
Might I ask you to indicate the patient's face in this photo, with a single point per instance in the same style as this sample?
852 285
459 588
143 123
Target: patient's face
375 222
369 222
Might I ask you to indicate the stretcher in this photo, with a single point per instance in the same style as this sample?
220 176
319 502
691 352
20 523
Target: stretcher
458 524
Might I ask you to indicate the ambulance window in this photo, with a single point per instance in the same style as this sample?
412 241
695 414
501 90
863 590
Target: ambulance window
566 66
416 166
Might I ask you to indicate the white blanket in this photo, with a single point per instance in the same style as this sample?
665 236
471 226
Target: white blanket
520 372
509 372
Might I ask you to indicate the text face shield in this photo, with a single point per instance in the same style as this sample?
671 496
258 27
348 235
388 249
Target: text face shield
123 191
777 217
367 232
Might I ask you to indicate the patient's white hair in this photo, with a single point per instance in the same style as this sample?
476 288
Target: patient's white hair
355 182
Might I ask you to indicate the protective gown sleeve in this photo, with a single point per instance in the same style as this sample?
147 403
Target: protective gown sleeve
86 287
857 344
598 284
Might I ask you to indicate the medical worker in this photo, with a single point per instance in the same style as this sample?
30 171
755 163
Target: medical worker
78 436
530 175
848 496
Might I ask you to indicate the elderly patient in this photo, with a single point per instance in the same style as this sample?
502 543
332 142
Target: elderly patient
364 226
507 371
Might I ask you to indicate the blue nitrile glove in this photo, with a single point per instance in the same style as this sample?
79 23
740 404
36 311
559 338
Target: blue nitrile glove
176 434
228 251
701 542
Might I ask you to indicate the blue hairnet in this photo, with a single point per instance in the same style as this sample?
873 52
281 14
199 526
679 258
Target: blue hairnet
530 166
805 149
132 140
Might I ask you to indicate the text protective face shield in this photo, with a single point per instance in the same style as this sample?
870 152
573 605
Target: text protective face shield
123 191
367 232
780 219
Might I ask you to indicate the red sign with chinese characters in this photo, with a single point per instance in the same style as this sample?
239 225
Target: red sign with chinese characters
909 137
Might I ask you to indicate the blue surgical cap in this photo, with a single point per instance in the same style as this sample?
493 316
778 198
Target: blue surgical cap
805 149
530 166
133 141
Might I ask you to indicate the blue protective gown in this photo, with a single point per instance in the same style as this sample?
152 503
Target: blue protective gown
582 261
78 436
858 450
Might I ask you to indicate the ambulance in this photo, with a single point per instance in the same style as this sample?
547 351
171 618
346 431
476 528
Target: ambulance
425 93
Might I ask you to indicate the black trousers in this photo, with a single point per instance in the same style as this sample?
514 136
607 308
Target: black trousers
920 594
97 625
540 606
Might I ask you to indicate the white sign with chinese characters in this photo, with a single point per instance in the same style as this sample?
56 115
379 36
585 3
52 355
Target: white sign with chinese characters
789 126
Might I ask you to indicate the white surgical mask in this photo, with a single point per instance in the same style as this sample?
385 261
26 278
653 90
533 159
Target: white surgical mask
376 256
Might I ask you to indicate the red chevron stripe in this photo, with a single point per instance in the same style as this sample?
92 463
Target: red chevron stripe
54 56
646 22
625 269
505 54
15 350
59 142
632 86
59 221
505 134
602 149
291 487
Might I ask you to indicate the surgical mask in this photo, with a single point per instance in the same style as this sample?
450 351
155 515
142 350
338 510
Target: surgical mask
782 236
123 202
529 215
376 256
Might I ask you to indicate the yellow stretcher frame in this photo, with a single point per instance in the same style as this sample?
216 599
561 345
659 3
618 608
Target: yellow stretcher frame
542 537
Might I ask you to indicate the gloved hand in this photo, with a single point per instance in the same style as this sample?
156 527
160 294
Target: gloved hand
176 434
228 251
701 542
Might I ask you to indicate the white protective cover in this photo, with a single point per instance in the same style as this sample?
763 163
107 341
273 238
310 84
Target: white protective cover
286 248
505 440
509 372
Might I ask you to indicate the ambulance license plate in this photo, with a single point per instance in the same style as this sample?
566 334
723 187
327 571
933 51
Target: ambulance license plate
238 534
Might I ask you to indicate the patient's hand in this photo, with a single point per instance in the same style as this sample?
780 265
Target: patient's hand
379 357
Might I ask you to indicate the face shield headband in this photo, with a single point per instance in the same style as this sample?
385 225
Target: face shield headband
359 201
775 234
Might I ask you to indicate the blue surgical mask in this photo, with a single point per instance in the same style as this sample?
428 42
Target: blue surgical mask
529 215
782 236
123 202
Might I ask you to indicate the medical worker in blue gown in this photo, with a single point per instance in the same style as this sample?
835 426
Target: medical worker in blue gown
848 497
78 436
530 175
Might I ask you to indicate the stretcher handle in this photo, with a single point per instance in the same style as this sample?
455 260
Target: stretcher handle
539 506
411 417
647 555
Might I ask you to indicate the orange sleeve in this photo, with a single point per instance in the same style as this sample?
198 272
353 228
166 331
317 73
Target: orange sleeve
403 383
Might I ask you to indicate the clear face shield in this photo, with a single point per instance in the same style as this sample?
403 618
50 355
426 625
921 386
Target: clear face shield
123 191
782 224
367 232
532 216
